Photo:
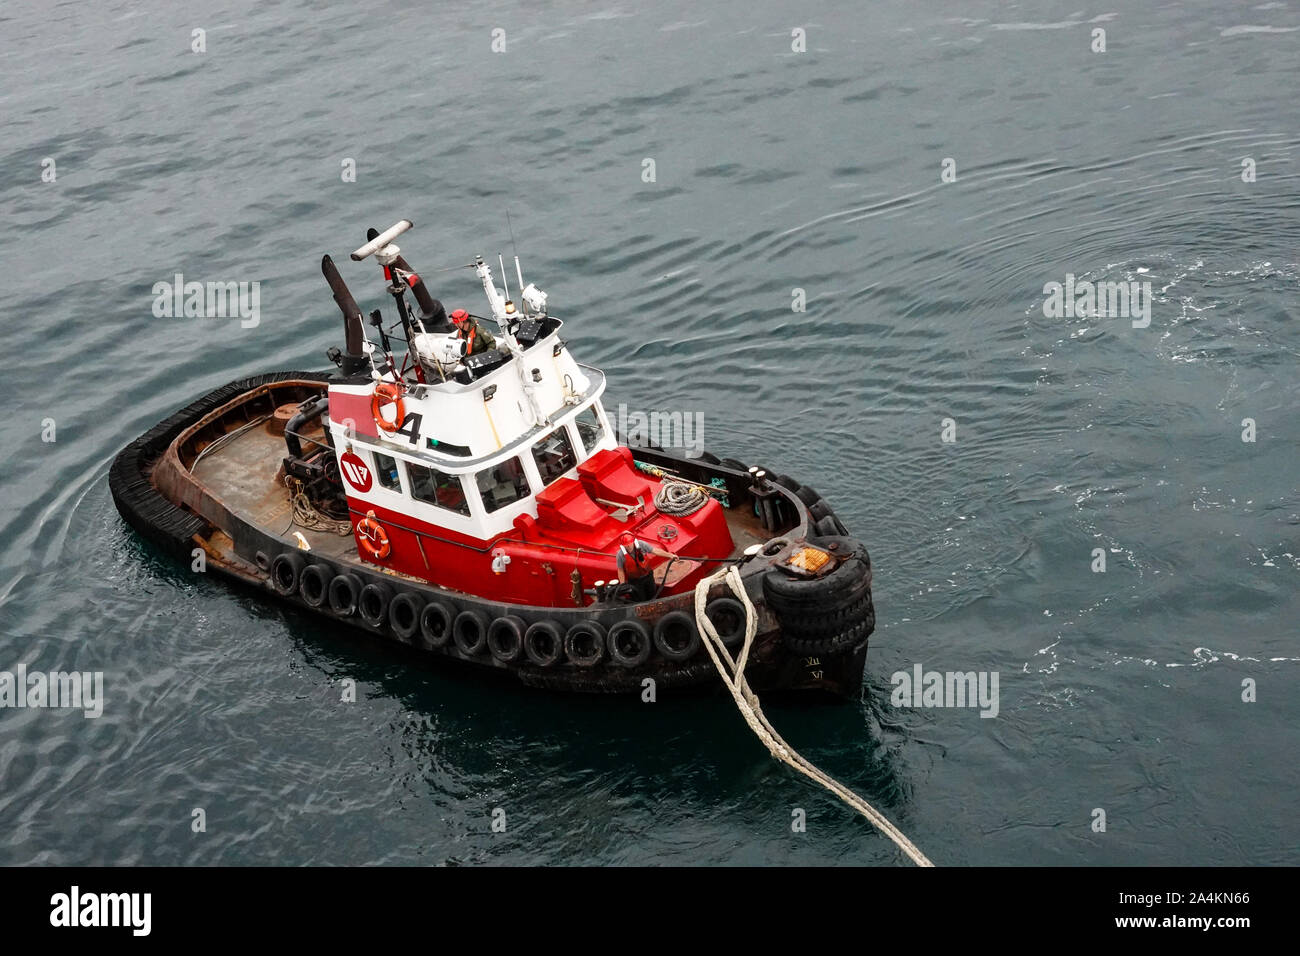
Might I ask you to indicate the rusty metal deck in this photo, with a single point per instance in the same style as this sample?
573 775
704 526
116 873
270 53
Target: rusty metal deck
245 473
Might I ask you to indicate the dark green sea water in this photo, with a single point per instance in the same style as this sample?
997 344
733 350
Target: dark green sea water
775 170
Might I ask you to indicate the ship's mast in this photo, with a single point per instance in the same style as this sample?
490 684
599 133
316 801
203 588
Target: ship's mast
388 255
497 303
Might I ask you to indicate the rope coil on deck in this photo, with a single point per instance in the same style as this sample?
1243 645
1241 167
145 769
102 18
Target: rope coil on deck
733 675
305 514
679 499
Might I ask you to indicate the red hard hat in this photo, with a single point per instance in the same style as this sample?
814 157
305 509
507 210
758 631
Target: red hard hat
459 316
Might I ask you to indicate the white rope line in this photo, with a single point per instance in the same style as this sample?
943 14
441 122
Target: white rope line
733 675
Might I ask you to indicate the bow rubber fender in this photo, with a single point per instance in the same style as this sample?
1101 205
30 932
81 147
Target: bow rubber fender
834 633
629 643
844 585
709 458
344 590
808 496
404 612
786 482
728 618
314 584
435 624
734 464
676 636
584 645
505 638
816 602
819 509
828 525
373 603
285 570
830 622
840 643
544 643
469 631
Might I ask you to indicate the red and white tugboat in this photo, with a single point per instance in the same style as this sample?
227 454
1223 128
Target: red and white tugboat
474 504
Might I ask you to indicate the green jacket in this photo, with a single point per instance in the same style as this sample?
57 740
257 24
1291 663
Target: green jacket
477 339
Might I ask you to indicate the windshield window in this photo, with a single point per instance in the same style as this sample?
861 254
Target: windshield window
590 430
433 487
502 484
554 455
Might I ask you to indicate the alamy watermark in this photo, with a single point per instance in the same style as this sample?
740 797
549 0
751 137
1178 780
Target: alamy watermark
1092 300
922 688
684 430
208 300
127 910
56 690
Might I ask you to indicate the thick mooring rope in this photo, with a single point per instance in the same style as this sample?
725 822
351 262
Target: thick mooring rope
733 675
680 499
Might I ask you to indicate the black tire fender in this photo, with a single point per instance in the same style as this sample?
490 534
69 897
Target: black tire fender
851 632
344 590
544 643
505 638
469 631
314 584
668 634
285 571
372 603
584 644
404 613
629 643
827 525
832 621
727 615
785 592
819 509
435 624
808 496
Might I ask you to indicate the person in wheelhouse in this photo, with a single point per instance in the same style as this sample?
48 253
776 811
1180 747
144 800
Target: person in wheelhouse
476 338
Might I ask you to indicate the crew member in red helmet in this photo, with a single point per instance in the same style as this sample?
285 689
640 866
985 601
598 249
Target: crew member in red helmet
632 568
476 339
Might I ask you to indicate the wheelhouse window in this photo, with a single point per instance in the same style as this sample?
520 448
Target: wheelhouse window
502 484
386 472
590 428
433 487
554 455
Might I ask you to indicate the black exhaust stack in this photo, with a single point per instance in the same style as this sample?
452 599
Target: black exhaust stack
354 361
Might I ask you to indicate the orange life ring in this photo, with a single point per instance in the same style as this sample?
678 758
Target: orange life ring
373 538
387 393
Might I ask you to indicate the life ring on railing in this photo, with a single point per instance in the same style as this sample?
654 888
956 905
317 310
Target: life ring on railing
373 538
387 393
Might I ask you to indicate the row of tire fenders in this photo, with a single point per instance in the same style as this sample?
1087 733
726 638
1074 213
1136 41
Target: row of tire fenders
436 624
